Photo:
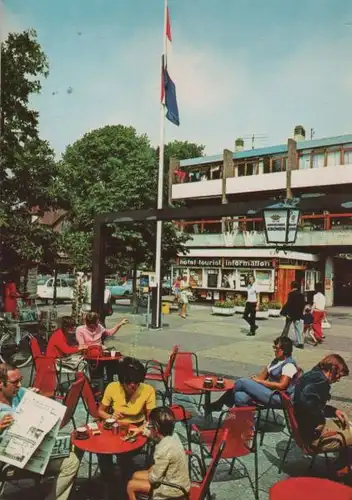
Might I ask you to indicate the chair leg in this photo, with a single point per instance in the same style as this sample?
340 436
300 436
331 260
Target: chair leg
90 466
73 422
262 434
285 455
232 465
327 463
312 462
256 479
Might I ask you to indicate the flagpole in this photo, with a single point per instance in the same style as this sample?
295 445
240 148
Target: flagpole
159 227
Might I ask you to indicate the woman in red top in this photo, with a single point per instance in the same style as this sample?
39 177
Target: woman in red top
10 298
58 346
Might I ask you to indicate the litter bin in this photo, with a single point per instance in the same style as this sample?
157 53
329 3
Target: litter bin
165 309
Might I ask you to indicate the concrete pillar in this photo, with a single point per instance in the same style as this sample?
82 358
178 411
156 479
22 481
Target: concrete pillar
173 165
227 168
291 165
329 281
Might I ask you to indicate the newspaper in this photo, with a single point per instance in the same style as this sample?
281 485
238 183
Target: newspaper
36 424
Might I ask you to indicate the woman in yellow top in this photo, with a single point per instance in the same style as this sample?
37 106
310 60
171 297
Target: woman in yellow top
130 401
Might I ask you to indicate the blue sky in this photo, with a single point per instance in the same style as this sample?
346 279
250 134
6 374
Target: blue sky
241 67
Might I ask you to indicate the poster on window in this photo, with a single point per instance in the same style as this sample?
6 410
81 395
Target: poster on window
243 279
228 279
265 280
196 278
309 284
212 278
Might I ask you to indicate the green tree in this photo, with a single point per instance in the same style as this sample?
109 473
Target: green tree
115 169
27 166
182 150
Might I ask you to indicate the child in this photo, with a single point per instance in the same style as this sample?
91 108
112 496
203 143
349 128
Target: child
170 463
308 324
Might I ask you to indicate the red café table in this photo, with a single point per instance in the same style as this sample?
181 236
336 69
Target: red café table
106 443
198 384
309 487
102 360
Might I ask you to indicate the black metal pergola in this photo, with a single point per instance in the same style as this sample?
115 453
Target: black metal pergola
328 202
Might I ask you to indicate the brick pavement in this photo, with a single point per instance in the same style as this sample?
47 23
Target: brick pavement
222 346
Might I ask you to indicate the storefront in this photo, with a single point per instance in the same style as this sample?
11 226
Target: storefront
221 278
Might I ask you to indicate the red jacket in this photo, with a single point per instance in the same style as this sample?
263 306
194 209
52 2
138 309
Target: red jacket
58 346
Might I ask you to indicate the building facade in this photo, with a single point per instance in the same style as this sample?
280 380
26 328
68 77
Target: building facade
221 253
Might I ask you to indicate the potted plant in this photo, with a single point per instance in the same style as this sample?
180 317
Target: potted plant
274 309
225 308
240 304
263 312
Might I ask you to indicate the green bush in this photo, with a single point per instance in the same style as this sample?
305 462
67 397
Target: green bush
240 302
263 307
274 305
226 304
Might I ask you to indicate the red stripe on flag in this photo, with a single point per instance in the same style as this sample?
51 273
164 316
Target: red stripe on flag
168 25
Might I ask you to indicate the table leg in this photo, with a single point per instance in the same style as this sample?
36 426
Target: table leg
207 412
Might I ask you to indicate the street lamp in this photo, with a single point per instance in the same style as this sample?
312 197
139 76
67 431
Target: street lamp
281 222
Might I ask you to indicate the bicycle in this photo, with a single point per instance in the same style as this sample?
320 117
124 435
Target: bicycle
14 344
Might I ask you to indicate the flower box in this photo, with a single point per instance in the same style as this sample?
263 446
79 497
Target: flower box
262 314
223 311
239 309
274 313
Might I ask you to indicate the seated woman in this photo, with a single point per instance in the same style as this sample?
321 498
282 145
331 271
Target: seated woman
279 375
170 463
93 333
130 401
58 347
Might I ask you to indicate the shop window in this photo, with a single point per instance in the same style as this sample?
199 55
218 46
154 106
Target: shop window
228 279
304 161
276 164
212 278
266 164
318 160
334 158
347 157
196 278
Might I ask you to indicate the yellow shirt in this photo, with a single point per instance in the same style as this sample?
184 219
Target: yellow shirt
135 410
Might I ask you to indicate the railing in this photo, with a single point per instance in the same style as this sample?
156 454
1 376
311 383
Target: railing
313 222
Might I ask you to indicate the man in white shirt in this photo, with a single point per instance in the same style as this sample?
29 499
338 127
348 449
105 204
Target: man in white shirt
251 305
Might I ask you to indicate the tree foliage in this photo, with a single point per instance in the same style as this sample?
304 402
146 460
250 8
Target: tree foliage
27 168
115 169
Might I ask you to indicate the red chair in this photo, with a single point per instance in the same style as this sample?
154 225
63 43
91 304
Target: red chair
239 426
35 353
309 487
88 397
295 436
154 370
185 367
45 379
71 399
199 489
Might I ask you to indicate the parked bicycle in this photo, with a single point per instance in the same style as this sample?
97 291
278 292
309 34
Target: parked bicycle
14 343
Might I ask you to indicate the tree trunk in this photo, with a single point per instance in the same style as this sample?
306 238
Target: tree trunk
134 301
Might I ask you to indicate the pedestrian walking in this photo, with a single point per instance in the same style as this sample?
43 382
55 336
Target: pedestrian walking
183 297
294 311
318 310
308 323
251 306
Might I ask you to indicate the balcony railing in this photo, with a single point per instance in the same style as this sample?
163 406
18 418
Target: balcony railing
311 222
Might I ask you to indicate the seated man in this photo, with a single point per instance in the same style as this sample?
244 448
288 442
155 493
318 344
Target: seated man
314 417
11 394
58 347
170 463
279 375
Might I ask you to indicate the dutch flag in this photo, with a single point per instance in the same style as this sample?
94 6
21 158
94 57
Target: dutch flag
168 88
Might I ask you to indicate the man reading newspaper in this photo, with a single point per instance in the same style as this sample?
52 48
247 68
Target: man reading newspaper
11 393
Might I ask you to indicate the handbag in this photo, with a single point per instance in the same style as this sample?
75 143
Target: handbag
94 351
325 324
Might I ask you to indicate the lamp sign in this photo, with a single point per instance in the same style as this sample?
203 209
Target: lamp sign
281 223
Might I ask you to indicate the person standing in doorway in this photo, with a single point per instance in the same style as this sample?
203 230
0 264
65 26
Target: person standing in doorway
294 310
318 310
251 305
